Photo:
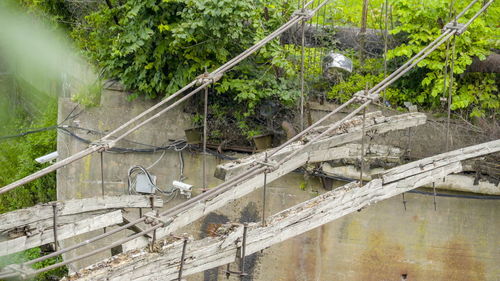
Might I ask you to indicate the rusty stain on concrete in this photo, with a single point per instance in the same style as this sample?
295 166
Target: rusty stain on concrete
457 262
384 259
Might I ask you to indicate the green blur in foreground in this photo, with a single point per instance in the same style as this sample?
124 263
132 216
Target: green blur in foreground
34 58
36 55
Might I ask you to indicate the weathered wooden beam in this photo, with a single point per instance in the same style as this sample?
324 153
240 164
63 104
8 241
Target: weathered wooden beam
205 207
459 182
22 217
350 132
320 151
429 163
46 236
32 229
212 252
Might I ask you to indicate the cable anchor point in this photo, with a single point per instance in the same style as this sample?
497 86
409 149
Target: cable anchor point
208 78
453 25
102 145
364 96
305 13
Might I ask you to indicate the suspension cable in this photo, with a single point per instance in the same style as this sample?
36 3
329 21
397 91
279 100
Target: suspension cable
255 170
104 143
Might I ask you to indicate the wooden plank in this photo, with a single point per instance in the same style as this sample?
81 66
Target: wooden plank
204 208
350 153
351 132
319 152
41 212
63 232
32 229
440 160
212 252
240 165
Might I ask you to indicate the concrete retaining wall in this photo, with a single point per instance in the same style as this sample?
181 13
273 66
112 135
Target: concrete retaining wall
459 241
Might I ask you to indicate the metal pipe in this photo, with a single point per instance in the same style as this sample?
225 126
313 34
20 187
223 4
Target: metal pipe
361 158
264 195
434 193
320 6
112 245
409 62
450 93
54 224
205 115
476 15
302 68
243 251
465 10
102 173
86 242
228 65
181 266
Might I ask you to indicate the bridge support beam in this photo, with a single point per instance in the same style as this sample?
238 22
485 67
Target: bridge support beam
212 252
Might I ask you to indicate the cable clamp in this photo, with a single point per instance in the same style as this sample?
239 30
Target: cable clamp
102 145
271 165
305 13
153 218
363 96
459 27
208 78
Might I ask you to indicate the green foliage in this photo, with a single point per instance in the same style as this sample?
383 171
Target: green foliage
34 253
478 93
344 91
17 158
89 95
159 46
422 23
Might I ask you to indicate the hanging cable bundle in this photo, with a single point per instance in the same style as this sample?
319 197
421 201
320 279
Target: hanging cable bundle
141 181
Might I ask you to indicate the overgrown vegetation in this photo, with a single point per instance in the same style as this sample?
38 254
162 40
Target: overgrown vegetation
25 106
155 47
474 94
17 160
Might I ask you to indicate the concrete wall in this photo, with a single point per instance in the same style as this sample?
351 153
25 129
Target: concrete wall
459 241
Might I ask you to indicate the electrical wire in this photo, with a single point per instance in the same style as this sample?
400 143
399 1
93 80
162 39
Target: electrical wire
181 145
38 130
227 185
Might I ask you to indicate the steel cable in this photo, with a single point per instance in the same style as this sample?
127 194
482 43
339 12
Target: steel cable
252 172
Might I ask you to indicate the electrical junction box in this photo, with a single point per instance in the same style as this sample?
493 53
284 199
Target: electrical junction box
143 185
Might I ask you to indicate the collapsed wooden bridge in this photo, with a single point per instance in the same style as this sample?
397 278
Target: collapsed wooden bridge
172 258
169 255
234 241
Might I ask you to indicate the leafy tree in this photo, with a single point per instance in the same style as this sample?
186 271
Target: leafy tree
422 22
159 46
